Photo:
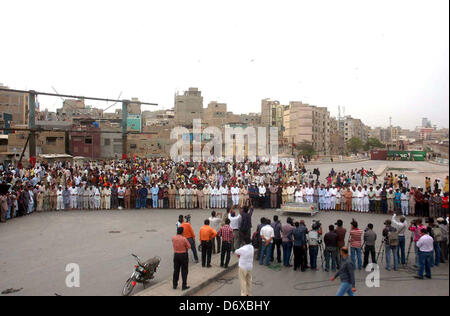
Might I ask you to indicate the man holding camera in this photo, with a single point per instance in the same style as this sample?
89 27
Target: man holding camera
370 238
313 239
390 235
188 233
331 249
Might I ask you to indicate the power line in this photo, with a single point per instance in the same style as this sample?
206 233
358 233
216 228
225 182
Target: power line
73 96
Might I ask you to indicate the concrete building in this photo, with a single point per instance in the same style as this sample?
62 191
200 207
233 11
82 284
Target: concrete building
307 123
216 114
74 109
134 107
272 113
85 142
16 104
188 106
111 144
352 127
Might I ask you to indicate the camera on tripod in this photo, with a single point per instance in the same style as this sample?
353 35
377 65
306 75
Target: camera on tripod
188 218
316 224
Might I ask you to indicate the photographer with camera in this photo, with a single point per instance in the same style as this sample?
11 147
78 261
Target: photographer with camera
390 235
401 229
331 249
188 233
370 238
314 241
215 222
416 227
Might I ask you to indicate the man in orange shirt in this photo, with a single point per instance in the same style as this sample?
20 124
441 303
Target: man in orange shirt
207 234
189 234
180 259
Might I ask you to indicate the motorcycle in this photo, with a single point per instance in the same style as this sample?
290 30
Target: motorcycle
143 272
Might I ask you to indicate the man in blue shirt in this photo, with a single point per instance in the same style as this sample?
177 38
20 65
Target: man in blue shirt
155 191
322 192
142 193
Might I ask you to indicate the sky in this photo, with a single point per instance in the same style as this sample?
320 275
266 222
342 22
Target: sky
378 59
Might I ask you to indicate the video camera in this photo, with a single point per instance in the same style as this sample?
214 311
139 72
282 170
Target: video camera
188 218
316 224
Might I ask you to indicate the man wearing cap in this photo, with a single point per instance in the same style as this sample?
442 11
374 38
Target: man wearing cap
59 199
182 193
86 195
391 241
180 259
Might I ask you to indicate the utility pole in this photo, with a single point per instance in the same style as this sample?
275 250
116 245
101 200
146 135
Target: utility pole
124 128
32 125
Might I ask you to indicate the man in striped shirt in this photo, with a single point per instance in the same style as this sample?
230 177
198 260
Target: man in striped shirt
356 243
226 233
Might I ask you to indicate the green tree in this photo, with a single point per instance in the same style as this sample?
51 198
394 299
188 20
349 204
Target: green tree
355 144
373 143
306 149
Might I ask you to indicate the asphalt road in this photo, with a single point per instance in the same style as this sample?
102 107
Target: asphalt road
35 249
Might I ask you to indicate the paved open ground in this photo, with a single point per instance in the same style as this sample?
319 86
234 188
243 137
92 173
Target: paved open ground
36 249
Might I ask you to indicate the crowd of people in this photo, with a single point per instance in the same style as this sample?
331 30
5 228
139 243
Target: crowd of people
162 183
296 246
240 188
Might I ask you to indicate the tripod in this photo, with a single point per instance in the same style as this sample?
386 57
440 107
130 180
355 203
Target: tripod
411 242
321 253
381 251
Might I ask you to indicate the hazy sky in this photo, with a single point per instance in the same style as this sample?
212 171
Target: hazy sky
376 58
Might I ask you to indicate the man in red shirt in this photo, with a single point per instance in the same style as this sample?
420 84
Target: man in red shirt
180 258
356 243
226 234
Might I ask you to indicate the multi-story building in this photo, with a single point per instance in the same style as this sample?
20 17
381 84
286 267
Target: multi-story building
307 123
272 113
354 128
16 104
188 106
216 114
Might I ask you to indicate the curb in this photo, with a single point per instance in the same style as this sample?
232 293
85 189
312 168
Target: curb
335 162
163 288
207 282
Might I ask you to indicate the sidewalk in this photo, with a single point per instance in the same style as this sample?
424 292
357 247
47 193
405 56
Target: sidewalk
198 278
326 162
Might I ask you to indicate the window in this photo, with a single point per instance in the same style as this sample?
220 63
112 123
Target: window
107 141
50 140
133 146
88 140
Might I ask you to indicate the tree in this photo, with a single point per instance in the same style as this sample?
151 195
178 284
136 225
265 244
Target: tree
355 144
373 143
306 149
